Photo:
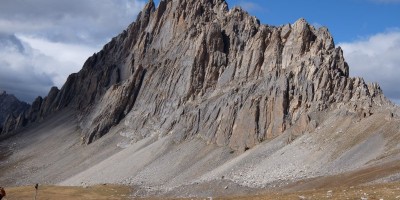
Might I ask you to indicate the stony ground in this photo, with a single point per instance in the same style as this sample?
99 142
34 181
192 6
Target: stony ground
52 154
386 191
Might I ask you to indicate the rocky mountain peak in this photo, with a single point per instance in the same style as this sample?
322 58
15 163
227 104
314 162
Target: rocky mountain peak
195 68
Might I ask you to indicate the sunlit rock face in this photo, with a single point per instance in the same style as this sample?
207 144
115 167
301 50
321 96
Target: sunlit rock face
196 68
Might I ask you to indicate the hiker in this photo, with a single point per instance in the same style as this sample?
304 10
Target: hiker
36 189
2 193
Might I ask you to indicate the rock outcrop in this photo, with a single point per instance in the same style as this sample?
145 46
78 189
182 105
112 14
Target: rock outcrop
10 109
196 68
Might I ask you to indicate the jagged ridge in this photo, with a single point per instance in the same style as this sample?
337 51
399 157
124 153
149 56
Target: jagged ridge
196 68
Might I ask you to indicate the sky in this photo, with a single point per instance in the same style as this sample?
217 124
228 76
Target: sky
43 41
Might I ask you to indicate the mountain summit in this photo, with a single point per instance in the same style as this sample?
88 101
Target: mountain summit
198 76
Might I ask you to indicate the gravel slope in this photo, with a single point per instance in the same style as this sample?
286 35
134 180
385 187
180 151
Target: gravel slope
52 153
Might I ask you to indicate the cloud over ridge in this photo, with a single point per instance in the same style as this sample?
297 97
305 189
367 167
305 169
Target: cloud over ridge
377 59
43 41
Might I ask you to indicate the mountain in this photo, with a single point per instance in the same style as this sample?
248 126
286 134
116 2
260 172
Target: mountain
205 62
10 107
195 93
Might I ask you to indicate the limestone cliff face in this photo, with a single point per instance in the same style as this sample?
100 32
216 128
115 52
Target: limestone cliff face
10 109
195 68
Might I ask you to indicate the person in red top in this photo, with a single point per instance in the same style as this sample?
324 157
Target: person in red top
2 193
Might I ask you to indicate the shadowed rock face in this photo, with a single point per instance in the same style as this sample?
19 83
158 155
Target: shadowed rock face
10 109
196 68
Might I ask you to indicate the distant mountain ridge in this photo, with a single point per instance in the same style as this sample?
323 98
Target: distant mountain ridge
10 107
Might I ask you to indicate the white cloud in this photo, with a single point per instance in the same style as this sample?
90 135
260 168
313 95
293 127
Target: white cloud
377 59
43 41
249 6
65 58
29 66
317 25
89 21
20 74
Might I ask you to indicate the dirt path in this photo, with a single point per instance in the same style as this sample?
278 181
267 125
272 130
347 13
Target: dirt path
69 193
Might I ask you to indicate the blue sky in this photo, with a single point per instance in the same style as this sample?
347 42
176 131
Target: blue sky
43 41
347 20
367 30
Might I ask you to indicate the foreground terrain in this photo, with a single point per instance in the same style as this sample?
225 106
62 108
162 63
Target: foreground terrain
67 193
376 191
344 152
381 191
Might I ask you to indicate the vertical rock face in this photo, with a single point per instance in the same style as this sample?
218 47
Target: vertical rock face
10 109
197 68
